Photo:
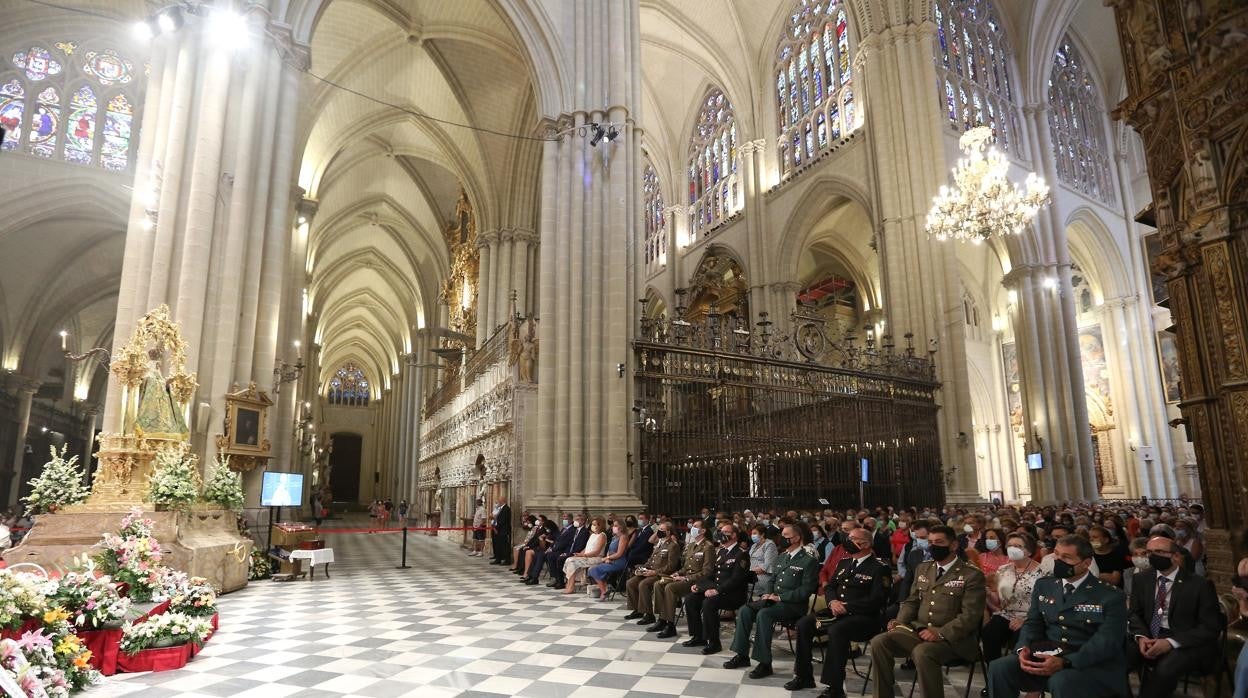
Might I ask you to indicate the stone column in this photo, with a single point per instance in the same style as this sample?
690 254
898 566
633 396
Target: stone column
485 285
758 270
590 196
521 266
15 474
507 277
675 276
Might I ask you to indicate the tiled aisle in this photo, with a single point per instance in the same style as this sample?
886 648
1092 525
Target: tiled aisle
450 626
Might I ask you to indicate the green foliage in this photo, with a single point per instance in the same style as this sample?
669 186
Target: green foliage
173 483
224 486
59 485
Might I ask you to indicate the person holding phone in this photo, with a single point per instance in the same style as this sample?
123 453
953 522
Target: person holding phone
1072 641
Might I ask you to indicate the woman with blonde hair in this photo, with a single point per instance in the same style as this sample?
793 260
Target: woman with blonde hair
577 563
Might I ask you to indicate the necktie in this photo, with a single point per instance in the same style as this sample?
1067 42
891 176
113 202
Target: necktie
1070 590
1159 608
940 572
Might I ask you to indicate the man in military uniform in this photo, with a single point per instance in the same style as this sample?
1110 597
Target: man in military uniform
856 596
725 588
668 591
795 574
1072 641
938 622
663 560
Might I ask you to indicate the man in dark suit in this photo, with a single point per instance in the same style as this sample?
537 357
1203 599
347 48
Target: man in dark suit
1175 620
500 530
579 540
881 543
856 595
641 546
724 589
1071 643
562 542
938 622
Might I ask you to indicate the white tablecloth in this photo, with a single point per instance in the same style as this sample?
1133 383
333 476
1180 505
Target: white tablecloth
324 556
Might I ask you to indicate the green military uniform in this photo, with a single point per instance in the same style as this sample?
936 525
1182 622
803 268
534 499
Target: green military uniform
1088 624
664 560
699 561
952 604
794 577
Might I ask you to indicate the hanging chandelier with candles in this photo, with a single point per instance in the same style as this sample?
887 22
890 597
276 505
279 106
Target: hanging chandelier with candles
983 202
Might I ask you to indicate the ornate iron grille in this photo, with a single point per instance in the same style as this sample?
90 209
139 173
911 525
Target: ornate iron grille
732 419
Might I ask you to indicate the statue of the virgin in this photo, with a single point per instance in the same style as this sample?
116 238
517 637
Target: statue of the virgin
158 416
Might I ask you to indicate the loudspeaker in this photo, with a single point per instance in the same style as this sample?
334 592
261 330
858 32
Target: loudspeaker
376 477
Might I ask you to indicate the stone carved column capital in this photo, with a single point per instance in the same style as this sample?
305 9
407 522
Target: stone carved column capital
488 238
753 146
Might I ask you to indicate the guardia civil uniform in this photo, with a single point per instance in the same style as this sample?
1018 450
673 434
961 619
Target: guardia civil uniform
1089 624
949 601
730 580
663 560
863 586
794 577
699 560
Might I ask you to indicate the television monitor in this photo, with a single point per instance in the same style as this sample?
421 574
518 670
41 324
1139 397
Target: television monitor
1034 462
281 490
864 469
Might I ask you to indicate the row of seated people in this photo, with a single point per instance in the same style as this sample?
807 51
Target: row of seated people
944 607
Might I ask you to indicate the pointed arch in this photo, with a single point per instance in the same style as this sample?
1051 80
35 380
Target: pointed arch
1078 125
714 189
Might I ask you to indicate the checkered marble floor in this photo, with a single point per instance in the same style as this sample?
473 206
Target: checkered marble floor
452 625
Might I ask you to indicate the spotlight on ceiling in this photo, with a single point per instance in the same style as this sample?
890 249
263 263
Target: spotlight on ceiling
227 28
612 134
169 20
143 31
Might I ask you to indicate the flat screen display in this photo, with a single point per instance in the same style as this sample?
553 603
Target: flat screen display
1034 462
864 469
281 490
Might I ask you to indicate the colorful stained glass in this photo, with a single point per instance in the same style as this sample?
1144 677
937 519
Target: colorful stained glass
37 62
45 123
12 108
349 387
1077 126
781 95
656 223
822 130
850 124
107 67
80 129
950 102
979 109
810 142
713 158
817 70
797 148
115 150
835 118
67 47
842 45
804 72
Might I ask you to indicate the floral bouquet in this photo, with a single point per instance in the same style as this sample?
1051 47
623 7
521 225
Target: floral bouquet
91 602
133 557
224 486
58 485
164 630
175 480
259 567
14 663
193 596
22 596
57 656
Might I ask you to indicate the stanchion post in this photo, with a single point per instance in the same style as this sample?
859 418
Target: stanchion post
404 566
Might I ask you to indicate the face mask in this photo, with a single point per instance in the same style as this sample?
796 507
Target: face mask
661 534
1140 562
720 538
1240 581
992 544
805 519
1015 553
1160 562
968 528
903 524
643 522
694 532
1063 569
754 538
567 522
817 537
939 552
921 543
1182 533
579 524
851 547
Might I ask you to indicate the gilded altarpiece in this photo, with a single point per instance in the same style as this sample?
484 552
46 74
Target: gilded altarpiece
1187 84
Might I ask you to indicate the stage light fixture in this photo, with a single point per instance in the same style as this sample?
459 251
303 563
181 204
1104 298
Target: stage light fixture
143 31
598 133
169 20
227 28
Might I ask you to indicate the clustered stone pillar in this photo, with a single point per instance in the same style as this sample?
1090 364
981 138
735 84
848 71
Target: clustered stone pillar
590 196
485 283
13 476
209 229
1187 96
757 252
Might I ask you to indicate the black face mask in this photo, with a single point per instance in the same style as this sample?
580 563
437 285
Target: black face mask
1063 569
1050 543
719 538
939 552
662 534
1160 562
1240 581
851 547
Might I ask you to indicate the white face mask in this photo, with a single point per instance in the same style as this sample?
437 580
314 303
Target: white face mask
968 528
1015 553
1140 562
992 544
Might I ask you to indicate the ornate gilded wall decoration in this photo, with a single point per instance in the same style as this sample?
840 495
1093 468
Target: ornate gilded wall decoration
245 437
459 290
719 280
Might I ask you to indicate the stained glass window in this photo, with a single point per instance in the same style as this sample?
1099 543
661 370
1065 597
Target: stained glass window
973 66
114 155
45 122
107 67
656 219
80 130
12 107
814 74
349 387
1077 125
713 160
74 104
37 62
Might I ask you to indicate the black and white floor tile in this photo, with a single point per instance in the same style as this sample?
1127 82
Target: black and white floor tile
451 625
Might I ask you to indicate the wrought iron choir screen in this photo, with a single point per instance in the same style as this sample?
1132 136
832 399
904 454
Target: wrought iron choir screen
735 419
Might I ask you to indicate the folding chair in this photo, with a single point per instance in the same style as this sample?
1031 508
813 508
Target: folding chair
959 662
790 626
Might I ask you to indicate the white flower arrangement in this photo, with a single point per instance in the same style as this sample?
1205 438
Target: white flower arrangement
224 486
59 485
174 483
22 596
166 629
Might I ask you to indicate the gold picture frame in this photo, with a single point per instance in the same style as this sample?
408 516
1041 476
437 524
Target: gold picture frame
245 437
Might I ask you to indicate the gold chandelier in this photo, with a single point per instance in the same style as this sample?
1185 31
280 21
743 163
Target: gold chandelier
983 202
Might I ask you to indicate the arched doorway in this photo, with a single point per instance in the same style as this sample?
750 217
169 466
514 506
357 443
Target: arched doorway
344 461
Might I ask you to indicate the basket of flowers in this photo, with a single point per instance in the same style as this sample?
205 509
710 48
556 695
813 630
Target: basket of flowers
161 642
97 610
132 558
22 601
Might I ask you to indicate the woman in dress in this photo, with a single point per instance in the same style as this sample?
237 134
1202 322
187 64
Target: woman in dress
616 559
763 553
576 563
1009 595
